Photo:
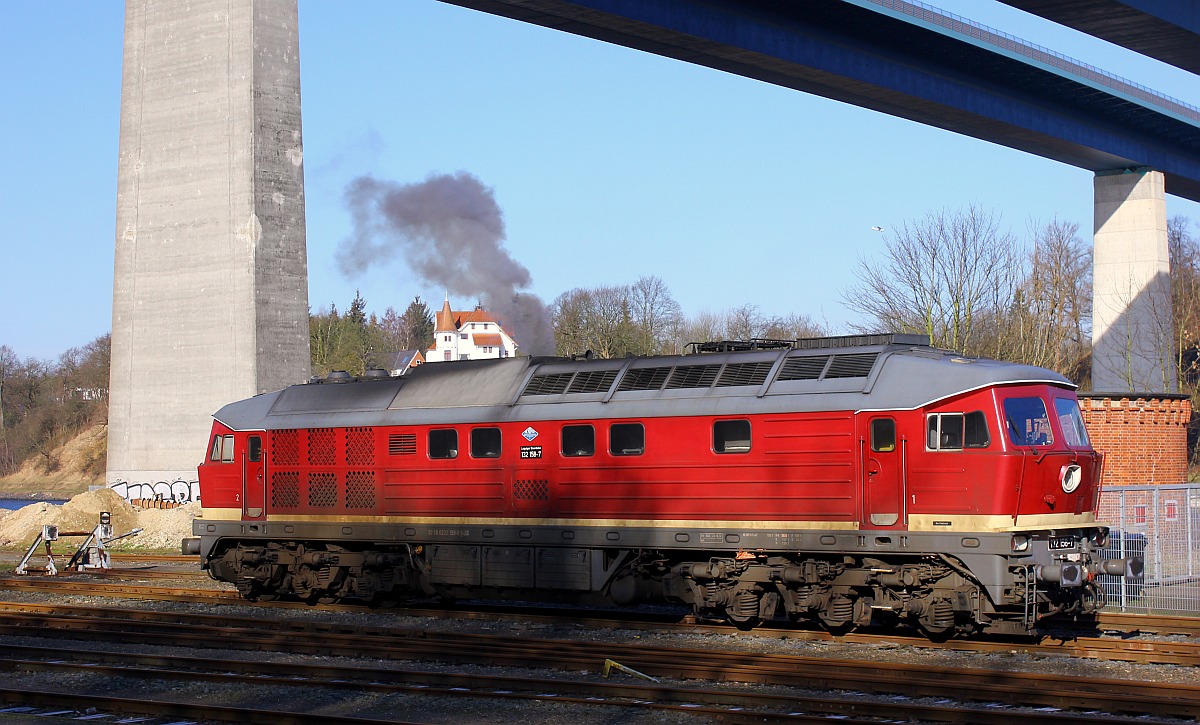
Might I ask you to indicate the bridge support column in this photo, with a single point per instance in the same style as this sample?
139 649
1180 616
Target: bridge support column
210 293
1131 294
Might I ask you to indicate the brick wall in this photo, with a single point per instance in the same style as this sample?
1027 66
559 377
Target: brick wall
1143 437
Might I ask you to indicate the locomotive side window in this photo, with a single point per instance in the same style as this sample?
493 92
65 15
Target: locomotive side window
731 436
955 431
883 435
255 449
1027 422
627 439
1071 422
578 440
443 443
222 449
485 443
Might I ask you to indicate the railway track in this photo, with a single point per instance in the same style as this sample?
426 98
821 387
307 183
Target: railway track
1182 652
1063 699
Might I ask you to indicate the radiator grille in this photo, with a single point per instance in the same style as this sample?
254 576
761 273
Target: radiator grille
360 448
285 447
322 447
285 489
322 490
531 489
360 490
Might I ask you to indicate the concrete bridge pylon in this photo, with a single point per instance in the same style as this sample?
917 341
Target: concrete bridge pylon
210 293
1132 329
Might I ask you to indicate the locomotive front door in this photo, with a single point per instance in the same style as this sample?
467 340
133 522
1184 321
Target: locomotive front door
254 481
883 479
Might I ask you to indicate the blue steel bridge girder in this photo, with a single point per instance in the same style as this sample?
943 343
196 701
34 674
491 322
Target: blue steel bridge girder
1168 31
858 52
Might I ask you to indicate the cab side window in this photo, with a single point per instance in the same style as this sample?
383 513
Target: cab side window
956 431
222 449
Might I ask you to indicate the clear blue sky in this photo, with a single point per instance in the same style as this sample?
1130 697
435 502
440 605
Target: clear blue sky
608 163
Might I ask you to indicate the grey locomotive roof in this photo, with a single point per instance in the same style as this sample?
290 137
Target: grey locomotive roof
874 373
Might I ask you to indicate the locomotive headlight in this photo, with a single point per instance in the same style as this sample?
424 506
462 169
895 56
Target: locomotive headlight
1072 476
1020 542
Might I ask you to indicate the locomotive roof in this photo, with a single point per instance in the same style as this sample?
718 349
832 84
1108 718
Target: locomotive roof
877 372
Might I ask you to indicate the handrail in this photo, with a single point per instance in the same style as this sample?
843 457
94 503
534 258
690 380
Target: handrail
1041 54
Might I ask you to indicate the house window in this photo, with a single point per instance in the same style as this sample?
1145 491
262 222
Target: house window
1139 514
462 335
578 440
1171 510
485 443
443 443
627 439
731 436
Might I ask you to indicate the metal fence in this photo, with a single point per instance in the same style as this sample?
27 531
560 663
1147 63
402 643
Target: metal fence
1161 524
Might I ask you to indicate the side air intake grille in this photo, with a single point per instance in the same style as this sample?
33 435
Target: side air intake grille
552 384
852 366
693 376
754 373
593 381
644 379
803 368
402 444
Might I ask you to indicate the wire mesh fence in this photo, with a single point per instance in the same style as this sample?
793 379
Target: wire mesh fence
1162 525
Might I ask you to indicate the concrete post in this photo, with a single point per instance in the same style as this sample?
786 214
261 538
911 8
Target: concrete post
1131 294
210 293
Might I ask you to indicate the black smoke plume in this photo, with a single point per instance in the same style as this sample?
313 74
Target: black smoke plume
450 231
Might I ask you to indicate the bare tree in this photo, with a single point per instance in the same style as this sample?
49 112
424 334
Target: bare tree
947 275
1048 322
654 314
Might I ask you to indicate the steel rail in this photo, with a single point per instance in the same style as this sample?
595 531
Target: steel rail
733 707
1124 696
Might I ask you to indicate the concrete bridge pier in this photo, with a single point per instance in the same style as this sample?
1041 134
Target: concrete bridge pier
1132 332
210 292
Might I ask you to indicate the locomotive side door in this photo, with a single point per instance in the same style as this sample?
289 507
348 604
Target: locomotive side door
254 480
882 463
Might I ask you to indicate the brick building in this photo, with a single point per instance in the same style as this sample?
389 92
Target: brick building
1143 437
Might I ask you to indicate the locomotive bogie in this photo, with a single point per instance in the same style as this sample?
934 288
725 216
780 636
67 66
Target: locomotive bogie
879 482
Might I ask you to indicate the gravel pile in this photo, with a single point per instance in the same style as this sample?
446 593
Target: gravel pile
161 528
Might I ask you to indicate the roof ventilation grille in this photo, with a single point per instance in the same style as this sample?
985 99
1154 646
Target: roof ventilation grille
592 381
754 373
551 384
809 367
851 366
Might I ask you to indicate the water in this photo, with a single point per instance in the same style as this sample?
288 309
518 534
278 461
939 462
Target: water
12 504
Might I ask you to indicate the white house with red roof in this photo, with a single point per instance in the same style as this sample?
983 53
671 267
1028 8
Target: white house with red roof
468 335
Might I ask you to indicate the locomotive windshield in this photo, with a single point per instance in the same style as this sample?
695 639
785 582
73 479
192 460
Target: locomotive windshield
1071 422
1027 422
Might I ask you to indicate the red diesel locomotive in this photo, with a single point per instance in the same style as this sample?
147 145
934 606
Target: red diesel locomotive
851 480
